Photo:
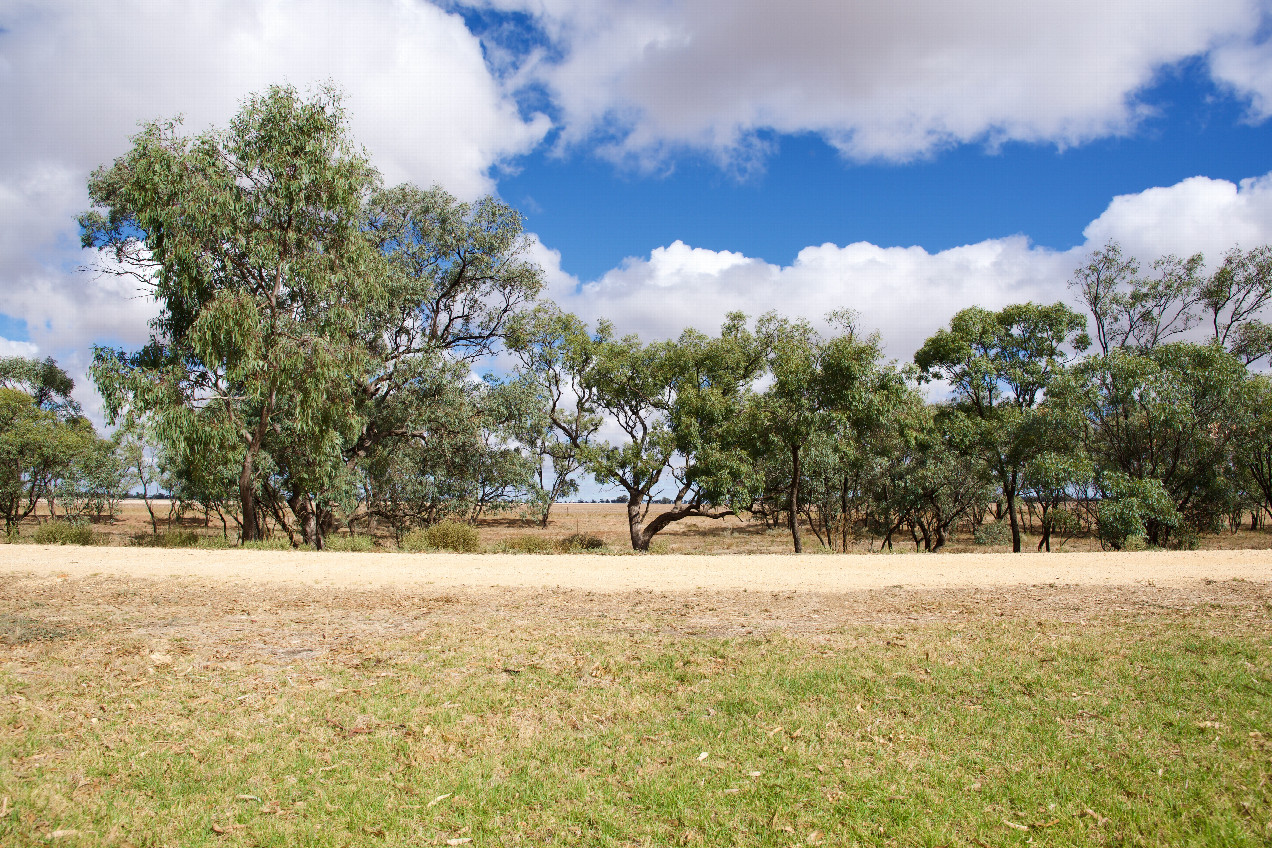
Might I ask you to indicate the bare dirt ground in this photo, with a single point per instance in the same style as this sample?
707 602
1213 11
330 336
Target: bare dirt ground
266 597
660 573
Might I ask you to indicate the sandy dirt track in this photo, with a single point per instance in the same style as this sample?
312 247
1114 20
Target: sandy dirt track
819 573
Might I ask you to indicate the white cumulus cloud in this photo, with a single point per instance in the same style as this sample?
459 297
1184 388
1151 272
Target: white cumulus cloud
77 79
907 293
878 80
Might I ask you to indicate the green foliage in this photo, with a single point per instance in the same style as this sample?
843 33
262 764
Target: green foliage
64 533
1130 506
272 543
993 534
167 539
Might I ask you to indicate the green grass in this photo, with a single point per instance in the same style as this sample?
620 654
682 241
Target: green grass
1151 731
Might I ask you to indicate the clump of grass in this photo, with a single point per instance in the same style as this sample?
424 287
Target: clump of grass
580 542
529 544
64 533
445 535
349 543
273 543
213 543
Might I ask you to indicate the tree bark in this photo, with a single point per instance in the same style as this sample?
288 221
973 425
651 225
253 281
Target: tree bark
792 518
640 542
1010 495
252 530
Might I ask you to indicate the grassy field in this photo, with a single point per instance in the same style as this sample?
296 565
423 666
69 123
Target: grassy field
173 712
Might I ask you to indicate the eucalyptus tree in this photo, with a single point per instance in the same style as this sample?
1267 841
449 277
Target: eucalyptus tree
1000 365
1235 297
1172 414
46 446
44 381
1254 447
554 353
453 277
818 385
251 240
677 405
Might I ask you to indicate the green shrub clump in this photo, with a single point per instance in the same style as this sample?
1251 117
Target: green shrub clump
349 543
445 535
64 533
580 542
993 534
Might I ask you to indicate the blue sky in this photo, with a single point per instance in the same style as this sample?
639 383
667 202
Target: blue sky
677 160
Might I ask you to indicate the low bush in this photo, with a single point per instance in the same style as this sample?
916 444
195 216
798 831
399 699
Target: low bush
580 542
64 533
453 536
443 536
529 544
993 534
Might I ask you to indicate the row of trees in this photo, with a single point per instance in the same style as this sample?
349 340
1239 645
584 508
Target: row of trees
313 363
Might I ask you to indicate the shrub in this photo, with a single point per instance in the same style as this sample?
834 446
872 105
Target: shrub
580 542
415 541
992 534
529 544
352 542
444 536
64 533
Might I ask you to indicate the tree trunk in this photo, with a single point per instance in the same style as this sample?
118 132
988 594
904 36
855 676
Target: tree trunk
640 542
1010 494
792 519
252 529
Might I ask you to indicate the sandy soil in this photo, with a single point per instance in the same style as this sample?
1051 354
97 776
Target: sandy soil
620 574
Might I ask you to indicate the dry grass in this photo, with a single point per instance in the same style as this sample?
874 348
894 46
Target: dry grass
176 712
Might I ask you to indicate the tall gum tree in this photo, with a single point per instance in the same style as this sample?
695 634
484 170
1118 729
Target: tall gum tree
999 365
251 240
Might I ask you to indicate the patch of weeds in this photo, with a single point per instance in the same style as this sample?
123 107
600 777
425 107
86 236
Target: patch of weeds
213 543
274 543
20 630
529 544
64 533
349 543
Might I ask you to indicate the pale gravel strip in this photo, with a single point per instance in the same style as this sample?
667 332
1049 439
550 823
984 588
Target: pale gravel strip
674 573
